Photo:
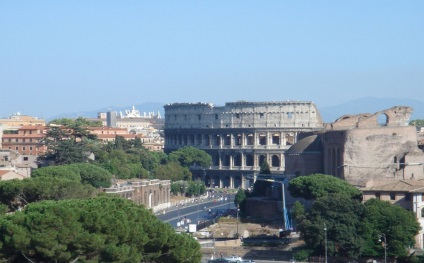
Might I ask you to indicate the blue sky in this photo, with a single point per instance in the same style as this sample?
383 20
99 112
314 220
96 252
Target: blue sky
69 56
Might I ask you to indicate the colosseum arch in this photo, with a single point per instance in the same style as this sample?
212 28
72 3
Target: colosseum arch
215 159
237 139
237 159
249 160
262 139
226 158
276 138
226 181
227 139
238 181
250 139
261 159
275 161
216 140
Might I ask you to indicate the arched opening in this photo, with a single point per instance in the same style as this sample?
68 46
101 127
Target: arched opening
249 160
237 140
275 161
216 140
237 181
276 138
227 139
215 160
226 160
237 160
382 119
261 159
250 139
262 139
226 181
191 139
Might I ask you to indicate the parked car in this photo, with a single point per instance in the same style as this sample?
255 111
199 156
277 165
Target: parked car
236 259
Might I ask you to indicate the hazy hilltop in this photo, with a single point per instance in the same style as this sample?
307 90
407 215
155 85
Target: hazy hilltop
329 114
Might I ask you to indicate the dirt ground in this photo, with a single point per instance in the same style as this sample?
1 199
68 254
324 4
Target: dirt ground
227 228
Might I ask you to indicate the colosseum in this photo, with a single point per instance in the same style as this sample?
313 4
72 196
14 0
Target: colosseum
239 136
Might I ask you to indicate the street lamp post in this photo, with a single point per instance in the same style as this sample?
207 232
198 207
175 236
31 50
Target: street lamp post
385 246
237 220
198 202
325 242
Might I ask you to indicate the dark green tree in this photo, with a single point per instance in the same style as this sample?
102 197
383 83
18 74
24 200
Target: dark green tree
16 194
78 122
398 224
191 156
343 218
102 229
319 185
81 172
196 188
417 123
71 143
172 171
240 197
265 169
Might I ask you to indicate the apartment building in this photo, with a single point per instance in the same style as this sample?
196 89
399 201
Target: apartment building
27 141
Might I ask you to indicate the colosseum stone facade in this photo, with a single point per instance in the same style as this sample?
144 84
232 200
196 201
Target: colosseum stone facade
239 136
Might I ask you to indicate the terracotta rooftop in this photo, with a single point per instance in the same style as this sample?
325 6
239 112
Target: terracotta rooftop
399 186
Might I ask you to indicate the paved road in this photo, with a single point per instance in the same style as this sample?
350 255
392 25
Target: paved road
196 211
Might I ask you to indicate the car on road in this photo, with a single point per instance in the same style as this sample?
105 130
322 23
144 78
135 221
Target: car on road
234 259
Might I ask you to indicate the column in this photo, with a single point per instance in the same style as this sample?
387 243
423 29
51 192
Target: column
268 141
231 161
283 140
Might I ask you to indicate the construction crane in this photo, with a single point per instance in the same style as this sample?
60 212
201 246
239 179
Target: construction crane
269 178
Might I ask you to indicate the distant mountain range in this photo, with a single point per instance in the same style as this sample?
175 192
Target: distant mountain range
370 105
329 114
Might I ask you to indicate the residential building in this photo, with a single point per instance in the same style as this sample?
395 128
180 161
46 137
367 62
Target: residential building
408 194
17 120
27 141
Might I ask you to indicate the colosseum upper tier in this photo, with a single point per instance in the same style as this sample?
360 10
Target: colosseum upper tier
239 136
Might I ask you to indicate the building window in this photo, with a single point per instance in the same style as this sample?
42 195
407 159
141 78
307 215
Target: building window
238 115
216 116
261 114
30 148
289 115
23 148
25 158
377 195
422 212
392 196
16 148
407 197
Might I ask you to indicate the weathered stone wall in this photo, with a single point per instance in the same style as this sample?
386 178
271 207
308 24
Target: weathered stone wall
242 115
376 152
